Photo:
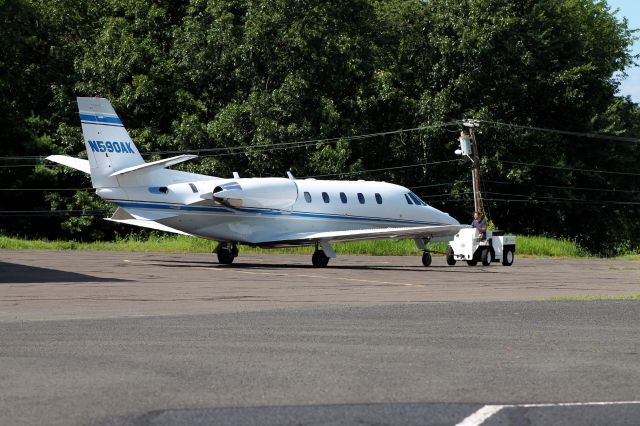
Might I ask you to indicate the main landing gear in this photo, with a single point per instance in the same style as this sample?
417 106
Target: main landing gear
319 259
226 252
321 256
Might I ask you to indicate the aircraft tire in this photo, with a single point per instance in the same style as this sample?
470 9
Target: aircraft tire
450 259
472 262
319 259
486 257
426 258
225 257
507 257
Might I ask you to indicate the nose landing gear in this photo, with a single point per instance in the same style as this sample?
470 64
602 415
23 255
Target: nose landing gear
426 258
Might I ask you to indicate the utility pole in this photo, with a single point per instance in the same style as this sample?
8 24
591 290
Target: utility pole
475 171
469 148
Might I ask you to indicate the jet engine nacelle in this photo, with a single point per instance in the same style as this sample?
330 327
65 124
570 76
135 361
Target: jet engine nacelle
269 193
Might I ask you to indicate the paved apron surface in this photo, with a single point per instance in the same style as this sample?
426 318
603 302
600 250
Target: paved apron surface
134 338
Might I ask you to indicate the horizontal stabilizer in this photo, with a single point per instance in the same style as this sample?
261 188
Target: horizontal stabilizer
160 164
74 163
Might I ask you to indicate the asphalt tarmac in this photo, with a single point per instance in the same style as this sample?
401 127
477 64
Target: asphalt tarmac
136 338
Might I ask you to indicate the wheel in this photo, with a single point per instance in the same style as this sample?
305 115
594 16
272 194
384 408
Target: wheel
319 259
426 258
226 253
225 256
507 257
450 259
472 262
486 257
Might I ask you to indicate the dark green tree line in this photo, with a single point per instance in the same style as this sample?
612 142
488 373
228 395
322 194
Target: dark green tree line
201 75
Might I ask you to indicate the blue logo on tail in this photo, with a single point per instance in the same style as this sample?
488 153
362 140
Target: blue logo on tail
111 146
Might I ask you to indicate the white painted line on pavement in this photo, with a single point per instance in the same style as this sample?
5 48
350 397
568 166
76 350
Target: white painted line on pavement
574 404
481 415
478 417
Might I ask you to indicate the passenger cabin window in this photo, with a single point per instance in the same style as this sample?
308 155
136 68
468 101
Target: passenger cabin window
193 188
378 198
307 197
408 199
343 198
325 197
360 197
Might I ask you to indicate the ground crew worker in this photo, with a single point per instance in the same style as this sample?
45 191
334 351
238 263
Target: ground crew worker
480 224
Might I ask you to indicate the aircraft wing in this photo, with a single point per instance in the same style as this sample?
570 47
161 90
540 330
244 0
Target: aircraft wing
419 232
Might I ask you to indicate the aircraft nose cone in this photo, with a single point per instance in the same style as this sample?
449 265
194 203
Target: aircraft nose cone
449 220
445 218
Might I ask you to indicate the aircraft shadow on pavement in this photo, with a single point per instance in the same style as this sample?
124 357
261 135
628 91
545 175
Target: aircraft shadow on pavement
14 273
424 269
266 266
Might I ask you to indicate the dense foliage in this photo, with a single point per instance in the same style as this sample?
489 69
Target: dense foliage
202 75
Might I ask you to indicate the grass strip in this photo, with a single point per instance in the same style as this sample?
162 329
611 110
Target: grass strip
597 297
526 245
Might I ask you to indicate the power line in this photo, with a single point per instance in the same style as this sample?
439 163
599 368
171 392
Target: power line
382 169
446 194
563 132
46 189
577 188
416 165
48 213
15 166
530 199
436 184
569 168
565 201
316 141
295 144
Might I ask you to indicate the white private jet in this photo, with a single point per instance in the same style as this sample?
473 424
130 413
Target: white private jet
264 212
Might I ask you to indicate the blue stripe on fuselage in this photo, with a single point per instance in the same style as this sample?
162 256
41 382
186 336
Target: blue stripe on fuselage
95 119
163 206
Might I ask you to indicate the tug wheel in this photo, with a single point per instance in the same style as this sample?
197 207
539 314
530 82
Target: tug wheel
486 257
450 259
507 257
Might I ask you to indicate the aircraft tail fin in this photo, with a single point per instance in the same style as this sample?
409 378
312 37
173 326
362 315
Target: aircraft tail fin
109 146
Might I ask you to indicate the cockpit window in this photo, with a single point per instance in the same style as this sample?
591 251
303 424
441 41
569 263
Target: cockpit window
417 199
408 199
